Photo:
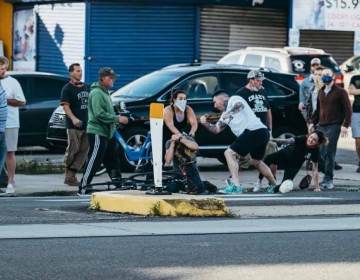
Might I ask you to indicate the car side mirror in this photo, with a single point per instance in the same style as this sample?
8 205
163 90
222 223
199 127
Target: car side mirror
349 68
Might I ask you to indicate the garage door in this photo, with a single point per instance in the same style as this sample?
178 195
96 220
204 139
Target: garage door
338 43
225 28
136 39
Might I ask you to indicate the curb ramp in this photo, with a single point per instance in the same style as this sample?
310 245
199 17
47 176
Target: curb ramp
175 205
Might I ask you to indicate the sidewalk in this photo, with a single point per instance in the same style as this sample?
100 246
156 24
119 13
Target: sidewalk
52 184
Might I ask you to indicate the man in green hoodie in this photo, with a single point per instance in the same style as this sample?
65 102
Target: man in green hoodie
101 126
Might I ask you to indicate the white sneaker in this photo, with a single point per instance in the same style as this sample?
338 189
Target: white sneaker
257 186
10 189
328 186
286 186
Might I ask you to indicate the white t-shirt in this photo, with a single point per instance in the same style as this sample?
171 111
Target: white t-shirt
13 91
242 119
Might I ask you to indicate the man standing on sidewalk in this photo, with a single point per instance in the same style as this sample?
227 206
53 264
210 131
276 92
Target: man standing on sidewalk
333 115
15 99
3 112
307 88
354 89
101 128
74 99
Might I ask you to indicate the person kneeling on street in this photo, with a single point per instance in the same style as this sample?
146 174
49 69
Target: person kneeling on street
181 149
102 122
292 157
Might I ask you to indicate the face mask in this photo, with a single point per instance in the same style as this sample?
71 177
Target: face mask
327 80
181 104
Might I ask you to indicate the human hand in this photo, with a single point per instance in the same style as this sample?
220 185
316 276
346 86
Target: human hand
76 122
344 131
176 137
301 107
123 120
311 128
203 119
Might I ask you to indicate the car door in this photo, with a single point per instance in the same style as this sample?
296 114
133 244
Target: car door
200 88
42 99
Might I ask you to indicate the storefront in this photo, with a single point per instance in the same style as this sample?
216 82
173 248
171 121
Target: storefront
137 37
328 25
6 28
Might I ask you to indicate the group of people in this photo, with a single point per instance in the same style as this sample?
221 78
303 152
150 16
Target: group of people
248 114
11 98
91 123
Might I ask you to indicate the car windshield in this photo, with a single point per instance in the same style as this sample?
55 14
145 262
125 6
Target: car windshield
147 85
301 63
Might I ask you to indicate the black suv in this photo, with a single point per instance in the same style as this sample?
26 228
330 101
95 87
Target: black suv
200 83
42 93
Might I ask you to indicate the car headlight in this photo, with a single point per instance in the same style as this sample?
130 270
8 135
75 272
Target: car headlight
58 111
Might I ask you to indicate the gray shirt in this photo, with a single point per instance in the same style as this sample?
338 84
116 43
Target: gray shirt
306 88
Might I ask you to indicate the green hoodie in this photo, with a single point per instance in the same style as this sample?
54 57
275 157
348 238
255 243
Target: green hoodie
102 119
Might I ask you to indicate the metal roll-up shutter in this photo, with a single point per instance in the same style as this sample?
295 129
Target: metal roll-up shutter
225 28
136 39
338 43
61 36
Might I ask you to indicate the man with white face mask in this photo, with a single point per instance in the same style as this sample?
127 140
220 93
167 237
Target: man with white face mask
332 116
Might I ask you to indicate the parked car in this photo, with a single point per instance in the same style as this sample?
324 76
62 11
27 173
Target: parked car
200 83
285 60
42 93
349 68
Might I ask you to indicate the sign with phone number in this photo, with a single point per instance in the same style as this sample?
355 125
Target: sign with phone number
343 15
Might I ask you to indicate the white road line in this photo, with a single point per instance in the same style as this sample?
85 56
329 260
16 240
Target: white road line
279 198
223 226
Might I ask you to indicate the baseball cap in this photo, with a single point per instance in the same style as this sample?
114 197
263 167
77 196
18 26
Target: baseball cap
107 72
315 60
255 74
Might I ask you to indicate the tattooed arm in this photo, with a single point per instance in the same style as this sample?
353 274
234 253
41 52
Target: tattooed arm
214 128
284 141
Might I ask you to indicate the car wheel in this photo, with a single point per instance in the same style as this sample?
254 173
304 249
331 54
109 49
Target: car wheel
134 137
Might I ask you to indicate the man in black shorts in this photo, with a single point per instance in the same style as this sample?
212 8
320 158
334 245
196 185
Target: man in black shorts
292 157
252 137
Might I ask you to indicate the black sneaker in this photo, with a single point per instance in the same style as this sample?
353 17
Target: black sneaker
85 191
337 166
358 170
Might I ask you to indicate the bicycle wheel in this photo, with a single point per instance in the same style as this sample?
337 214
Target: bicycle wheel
146 179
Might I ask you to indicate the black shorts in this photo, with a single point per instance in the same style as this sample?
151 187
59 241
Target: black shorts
251 142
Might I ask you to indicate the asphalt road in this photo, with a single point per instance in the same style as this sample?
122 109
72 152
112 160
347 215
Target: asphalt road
298 255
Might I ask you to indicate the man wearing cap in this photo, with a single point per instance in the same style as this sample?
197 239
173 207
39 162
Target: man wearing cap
306 89
256 96
102 122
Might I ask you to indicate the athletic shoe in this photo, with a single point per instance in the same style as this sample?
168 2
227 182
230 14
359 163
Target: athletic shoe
257 186
10 189
323 183
229 188
85 191
286 186
328 186
239 189
358 170
337 166
270 189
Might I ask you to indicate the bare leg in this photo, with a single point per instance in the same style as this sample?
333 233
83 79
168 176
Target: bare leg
264 170
357 144
273 168
11 166
233 165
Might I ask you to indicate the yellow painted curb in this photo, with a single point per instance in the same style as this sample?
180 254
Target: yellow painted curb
142 204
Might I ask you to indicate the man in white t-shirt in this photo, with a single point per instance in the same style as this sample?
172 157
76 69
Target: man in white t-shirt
251 134
15 99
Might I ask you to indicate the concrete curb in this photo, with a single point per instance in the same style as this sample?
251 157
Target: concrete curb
169 205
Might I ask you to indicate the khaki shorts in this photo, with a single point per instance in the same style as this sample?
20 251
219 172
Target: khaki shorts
11 138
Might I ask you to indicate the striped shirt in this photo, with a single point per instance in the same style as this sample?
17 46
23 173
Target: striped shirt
3 109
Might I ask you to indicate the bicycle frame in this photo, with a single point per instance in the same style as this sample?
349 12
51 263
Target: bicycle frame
138 154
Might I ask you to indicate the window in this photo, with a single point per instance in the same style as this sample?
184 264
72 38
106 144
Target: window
45 88
273 63
252 60
230 59
200 87
274 89
24 83
232 82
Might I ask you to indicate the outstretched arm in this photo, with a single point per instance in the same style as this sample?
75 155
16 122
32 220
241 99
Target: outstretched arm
214 128
284 141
